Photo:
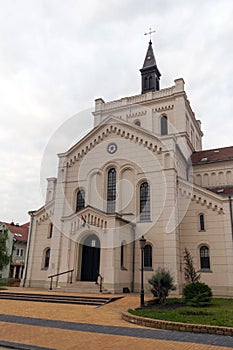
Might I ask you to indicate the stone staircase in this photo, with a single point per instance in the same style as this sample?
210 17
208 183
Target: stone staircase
57 298
81 288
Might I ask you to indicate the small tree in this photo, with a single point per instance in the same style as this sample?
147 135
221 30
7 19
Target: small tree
197 294
162 284
190 273
4 256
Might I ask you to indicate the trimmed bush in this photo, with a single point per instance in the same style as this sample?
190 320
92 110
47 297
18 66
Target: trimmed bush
162 284
197 294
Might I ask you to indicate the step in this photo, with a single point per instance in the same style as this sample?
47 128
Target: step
80 287
54 298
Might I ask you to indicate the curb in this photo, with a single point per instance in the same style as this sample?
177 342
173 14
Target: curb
176 326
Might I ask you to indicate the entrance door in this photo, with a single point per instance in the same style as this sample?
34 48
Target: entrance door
90 258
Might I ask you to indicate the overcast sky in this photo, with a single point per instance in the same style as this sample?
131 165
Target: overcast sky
57 56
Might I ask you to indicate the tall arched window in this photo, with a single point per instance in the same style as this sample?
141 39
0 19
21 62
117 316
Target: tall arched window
80 204
148 256
201 222
46 258
50 233
164 129
144 201
111 191
205 258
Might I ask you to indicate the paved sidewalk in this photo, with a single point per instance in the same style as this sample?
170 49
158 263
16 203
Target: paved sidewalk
37 326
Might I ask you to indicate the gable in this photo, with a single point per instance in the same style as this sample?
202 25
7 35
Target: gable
110 127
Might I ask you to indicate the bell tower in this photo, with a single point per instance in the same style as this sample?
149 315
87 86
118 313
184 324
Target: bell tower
149 72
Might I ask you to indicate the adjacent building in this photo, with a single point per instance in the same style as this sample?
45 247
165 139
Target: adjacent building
17 246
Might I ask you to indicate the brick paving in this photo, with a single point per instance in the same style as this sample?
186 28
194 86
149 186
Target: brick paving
37 326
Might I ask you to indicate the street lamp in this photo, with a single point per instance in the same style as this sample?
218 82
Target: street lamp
142 242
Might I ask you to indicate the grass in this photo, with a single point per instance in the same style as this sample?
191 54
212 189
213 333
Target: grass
218 313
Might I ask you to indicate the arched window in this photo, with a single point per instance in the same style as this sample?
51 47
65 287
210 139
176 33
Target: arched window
201 222
206 179
148 256
111 191
144 201
198 180
221 178
50 233
164 129
205 258
80 204
46 258
229 178
213 179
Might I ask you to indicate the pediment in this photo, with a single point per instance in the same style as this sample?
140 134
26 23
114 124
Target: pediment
108 127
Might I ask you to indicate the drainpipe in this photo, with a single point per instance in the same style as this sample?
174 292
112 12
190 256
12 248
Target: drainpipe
231 214
28 248
133 260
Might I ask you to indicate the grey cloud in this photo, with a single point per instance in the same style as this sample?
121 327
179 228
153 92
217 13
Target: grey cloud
56 57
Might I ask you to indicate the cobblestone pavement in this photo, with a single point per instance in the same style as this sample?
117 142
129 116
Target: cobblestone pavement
37 326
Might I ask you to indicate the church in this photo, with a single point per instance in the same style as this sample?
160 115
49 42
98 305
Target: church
140 171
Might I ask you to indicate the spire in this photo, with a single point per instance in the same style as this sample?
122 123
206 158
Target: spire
149 72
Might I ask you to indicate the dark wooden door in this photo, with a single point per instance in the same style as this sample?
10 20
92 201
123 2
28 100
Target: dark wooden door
90 258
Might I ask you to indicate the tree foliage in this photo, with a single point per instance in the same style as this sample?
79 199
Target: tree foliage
190 273
4 256
162 284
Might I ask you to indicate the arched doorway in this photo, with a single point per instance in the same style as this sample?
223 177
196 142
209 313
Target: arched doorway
90 258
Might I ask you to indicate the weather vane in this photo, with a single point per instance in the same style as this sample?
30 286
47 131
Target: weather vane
150 32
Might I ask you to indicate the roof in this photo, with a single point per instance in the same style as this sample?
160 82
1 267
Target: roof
226 190
20 231
212 155
150 57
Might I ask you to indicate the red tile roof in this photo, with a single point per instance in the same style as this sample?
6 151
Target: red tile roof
212 155
20 231
222 190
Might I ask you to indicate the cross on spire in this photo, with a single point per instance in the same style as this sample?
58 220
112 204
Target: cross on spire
150 32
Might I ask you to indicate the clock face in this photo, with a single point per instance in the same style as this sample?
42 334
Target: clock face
112 147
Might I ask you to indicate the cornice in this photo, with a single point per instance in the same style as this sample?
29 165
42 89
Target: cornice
117 128
45 212
163 108
200 195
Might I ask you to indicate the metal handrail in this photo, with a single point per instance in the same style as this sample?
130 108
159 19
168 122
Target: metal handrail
59 274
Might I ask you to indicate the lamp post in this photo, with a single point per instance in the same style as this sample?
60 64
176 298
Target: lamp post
142 242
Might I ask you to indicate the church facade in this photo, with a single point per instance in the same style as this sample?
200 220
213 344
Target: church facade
140 171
